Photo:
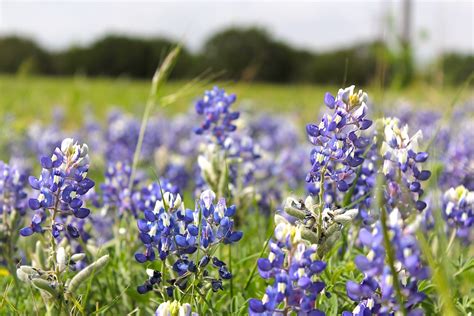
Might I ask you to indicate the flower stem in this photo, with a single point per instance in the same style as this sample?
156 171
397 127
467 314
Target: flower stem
391 261
321 202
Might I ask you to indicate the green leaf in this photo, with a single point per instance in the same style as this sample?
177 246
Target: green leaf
87 272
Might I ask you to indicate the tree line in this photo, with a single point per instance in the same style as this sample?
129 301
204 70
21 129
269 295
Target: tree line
248 54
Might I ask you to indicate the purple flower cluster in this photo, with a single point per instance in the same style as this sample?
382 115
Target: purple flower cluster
148 196
402 167
170 229
458 160
458 211
294 266
61 187
376 294
116 196
219 119
12 190
338 141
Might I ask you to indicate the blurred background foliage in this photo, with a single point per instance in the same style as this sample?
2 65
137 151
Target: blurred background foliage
237 54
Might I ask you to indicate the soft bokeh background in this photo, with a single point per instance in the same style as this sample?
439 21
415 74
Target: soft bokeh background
283 55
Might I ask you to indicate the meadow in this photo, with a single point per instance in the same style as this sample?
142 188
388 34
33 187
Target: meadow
345 213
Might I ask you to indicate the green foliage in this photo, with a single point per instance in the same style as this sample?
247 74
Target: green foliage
23 54
247 54
457 67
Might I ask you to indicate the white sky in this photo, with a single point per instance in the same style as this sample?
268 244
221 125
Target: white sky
317 25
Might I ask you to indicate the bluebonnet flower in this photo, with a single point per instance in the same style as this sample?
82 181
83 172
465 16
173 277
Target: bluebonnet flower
121 137
174 308
12 208
458 159
402 167
116 195
294 266
61 186
375 295
172 230
147 197
424 119
338 141
458 211
273 132
12 190
219 119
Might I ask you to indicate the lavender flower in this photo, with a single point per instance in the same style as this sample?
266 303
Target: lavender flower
61 186
148 196
294 266
12 207
458 211
458 160
215 106
402 167
116 195
174 308
12 190
172 230
376 294
339 144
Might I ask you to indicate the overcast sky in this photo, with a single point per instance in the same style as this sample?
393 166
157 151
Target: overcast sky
317 25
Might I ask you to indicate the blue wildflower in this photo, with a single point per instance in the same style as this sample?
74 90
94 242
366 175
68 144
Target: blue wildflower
294 266
12 190
458 212
402 167
376 294
61 187
338 141
169 229
219 119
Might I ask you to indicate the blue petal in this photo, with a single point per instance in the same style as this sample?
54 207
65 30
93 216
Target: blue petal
329 100
318 266
181 241
363 263
34 182
150 216
264 264
235 236
46 162
140 257
82 212
256 306
34 204
26 231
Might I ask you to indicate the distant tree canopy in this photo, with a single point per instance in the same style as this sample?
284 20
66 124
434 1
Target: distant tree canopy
249 54
457 68
17 53
119 56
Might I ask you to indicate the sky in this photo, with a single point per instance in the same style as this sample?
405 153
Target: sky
438 25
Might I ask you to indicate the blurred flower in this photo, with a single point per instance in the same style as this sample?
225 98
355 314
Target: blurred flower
174 308
458 211
215 107
116 195
402 167
376 294
12 190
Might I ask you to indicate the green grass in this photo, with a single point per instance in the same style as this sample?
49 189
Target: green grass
33 98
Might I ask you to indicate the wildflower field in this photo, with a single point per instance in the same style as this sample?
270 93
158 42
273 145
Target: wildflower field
190 199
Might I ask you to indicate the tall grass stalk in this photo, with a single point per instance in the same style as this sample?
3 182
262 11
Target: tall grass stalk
159 78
